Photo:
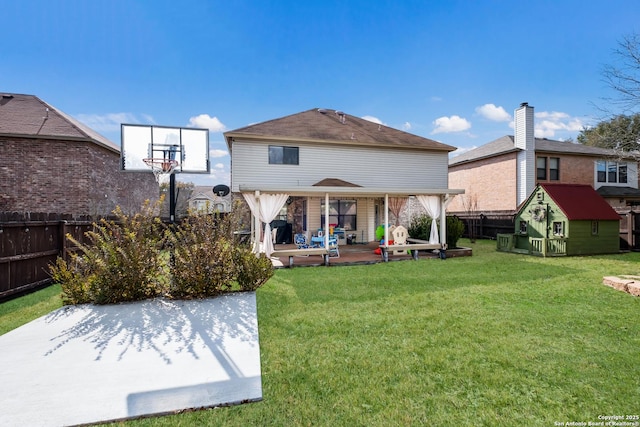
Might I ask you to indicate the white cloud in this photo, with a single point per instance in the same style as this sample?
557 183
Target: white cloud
450 124
554 122
373 119
406 126
218 153
219 166
207 122
111 122
493 113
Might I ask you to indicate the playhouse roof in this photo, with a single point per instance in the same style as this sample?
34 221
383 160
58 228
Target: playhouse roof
580 202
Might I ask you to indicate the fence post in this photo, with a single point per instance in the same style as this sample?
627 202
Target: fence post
63 239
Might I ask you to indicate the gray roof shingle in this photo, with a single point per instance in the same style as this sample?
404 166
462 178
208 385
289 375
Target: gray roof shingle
331 126
505 145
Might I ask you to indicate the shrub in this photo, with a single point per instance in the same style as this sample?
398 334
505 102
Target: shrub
122 262
420 228
251 271
202 256
74 278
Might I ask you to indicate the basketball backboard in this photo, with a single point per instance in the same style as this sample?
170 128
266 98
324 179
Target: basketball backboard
188 146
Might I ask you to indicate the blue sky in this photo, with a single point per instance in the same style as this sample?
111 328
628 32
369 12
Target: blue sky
453 71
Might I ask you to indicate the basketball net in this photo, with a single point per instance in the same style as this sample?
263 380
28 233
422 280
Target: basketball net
161 168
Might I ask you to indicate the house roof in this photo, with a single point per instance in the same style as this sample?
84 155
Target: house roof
506 144
335 182
580 202
616 191
29 116
333 127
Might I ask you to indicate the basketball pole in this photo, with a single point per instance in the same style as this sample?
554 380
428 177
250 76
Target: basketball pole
172 198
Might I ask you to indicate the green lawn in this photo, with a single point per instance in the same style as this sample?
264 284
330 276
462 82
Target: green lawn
495 339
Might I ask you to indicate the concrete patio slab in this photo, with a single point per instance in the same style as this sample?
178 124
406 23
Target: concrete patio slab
87 364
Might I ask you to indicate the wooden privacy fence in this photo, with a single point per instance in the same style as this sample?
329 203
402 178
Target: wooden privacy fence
481 226
29 243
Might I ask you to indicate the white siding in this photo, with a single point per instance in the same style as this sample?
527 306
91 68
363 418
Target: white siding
367 167
526 163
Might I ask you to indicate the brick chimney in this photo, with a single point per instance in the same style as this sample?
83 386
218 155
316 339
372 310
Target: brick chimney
526 162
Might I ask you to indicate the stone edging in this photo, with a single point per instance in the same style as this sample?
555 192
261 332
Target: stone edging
628 284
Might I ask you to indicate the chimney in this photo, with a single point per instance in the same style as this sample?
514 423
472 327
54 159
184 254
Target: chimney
524 140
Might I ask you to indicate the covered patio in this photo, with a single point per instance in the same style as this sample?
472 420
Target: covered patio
265 203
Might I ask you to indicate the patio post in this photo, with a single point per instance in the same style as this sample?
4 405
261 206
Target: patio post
443 222
256 237
386 219
326 220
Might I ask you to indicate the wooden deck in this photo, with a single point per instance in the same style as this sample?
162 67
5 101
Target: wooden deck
352 255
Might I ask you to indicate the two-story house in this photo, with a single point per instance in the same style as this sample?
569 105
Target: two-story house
325 169
499 176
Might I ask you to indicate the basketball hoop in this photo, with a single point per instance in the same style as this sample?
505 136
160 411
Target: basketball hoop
161 167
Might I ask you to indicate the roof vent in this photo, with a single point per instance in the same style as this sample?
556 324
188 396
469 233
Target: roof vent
6 96
342 116
322 110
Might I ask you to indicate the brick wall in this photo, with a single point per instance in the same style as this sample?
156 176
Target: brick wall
73 177
573 169
492 182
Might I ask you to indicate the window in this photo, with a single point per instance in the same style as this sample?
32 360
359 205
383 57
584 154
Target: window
558 228
552 173
611 172
523 227
602 171
279 155
554 168
622 174
341 212
541 163
594 228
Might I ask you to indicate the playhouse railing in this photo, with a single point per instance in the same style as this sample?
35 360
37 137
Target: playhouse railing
548 247
537 246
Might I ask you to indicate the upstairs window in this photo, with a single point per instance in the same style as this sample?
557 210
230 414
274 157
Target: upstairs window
611 172
541 167
280 155
554 168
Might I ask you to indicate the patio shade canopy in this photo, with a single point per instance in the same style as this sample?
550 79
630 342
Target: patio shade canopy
445 196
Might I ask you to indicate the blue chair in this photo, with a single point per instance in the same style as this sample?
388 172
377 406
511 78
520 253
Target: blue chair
301 241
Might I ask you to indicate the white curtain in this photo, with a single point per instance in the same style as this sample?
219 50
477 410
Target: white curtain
432 206
266 207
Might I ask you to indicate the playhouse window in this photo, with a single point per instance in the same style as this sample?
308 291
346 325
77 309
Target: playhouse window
558 228
594 228
523 227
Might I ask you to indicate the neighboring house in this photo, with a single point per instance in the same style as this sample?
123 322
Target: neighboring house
324 168
203 200
53 163
499 175
563 219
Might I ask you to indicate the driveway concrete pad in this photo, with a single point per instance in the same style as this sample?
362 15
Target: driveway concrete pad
87 364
